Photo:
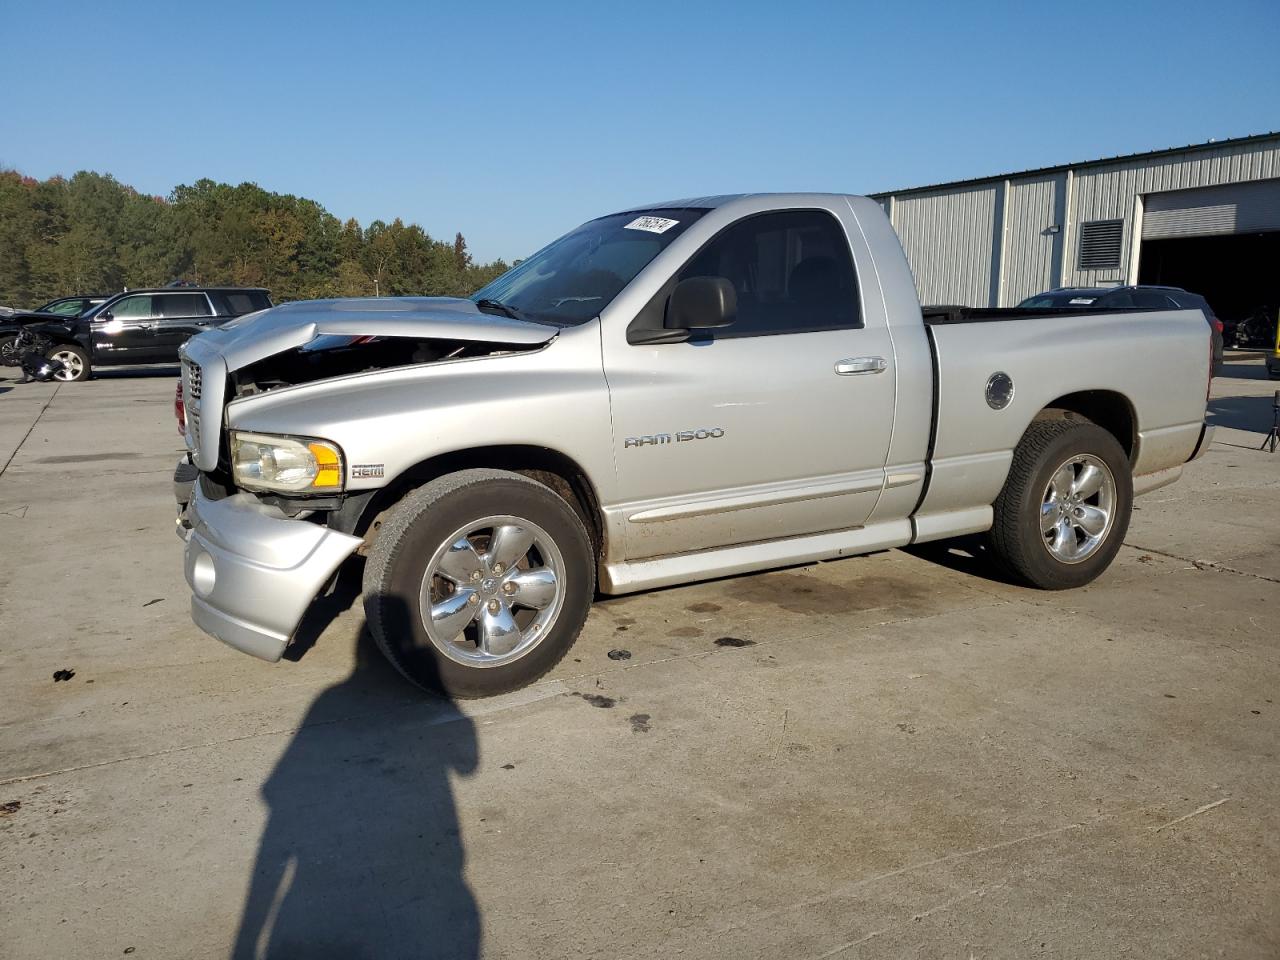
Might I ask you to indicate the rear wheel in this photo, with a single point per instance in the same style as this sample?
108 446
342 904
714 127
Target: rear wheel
1065 506
74 361
479 583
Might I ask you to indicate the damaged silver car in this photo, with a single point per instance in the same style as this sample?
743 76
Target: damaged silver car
682 391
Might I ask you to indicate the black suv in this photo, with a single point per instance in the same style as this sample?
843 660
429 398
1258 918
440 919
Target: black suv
1113 298
144 326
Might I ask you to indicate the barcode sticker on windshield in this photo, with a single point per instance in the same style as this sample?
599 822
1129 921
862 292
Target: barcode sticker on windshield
652 224
1083 301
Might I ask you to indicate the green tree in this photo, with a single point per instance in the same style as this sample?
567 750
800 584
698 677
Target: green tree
93 234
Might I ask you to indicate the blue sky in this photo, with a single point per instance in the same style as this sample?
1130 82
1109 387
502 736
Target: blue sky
513 122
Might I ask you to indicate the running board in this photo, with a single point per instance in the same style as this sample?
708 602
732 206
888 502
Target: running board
618 578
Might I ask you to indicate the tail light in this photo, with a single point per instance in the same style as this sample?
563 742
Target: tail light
180 410
1218 325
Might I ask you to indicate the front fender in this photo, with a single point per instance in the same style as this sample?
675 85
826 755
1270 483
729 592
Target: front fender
388 421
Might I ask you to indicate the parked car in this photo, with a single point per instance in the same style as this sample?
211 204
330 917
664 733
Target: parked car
144 326
1133 297
668 394
12 323
73 306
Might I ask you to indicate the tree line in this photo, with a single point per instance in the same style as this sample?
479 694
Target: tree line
93 234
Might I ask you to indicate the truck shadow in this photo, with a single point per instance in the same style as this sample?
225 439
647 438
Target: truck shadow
361 855
1242 371
327 608
967 555
1242 413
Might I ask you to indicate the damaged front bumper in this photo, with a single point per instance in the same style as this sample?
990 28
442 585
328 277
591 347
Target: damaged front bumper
253 571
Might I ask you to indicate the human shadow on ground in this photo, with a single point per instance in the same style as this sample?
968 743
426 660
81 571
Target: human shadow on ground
361 855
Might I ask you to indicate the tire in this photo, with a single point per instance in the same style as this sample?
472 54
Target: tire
8 358
1036 493
76 360
414 541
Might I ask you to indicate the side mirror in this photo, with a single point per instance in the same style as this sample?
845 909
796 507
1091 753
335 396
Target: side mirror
698 303
702 303
104 315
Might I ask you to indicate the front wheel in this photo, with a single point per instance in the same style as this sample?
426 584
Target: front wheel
8 350
478 583
1065 506
74 360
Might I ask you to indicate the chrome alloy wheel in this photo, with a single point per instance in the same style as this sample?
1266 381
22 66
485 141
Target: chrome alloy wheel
1077 509
71 361
492 591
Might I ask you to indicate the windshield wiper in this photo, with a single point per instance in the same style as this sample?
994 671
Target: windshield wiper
502 308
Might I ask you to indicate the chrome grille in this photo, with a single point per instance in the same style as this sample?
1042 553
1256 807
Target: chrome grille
191 384
191 372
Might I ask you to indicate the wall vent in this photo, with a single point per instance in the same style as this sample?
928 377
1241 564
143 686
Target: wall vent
1100 244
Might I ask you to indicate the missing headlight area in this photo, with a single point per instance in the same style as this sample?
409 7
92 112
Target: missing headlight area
331 355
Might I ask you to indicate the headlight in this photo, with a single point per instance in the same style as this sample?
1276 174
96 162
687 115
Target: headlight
285 464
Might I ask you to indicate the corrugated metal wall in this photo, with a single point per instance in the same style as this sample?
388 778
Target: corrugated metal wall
954 244
1031 250
951 235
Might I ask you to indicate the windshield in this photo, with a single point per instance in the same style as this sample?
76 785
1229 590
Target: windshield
1069 298
573 279
65 308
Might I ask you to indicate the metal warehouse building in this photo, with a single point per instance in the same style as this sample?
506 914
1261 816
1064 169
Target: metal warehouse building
1203 217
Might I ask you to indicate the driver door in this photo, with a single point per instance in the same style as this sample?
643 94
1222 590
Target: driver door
125 331
775 426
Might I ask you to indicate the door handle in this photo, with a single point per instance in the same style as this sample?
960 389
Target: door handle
857 365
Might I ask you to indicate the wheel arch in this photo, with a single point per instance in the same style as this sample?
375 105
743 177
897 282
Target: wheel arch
552 468
1109 409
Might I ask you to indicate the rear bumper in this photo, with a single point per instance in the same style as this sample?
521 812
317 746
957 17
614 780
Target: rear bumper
253 572
1145 483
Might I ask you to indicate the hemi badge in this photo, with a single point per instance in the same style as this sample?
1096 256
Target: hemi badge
366 470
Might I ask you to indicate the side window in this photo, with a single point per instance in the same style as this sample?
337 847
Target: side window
182 304
1149 298
792 272
246 301
132 308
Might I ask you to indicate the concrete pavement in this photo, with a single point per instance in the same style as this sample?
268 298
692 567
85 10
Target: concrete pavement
880 757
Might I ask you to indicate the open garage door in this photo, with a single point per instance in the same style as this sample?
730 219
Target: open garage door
1233 208
1220 242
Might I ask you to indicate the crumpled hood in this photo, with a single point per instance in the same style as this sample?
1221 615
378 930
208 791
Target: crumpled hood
210 356
257 336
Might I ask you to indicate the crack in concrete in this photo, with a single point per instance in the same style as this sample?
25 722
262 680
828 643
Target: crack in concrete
946 904
444 714
1201 564
30 428
1194 813
849 888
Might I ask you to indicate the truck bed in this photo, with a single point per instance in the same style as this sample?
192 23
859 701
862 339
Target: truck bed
948 313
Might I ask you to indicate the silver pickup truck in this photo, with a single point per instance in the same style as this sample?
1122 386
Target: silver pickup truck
681 391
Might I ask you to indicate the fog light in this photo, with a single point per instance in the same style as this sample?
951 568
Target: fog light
202 574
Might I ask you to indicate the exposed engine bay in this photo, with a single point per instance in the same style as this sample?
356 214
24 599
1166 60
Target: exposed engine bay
338 355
